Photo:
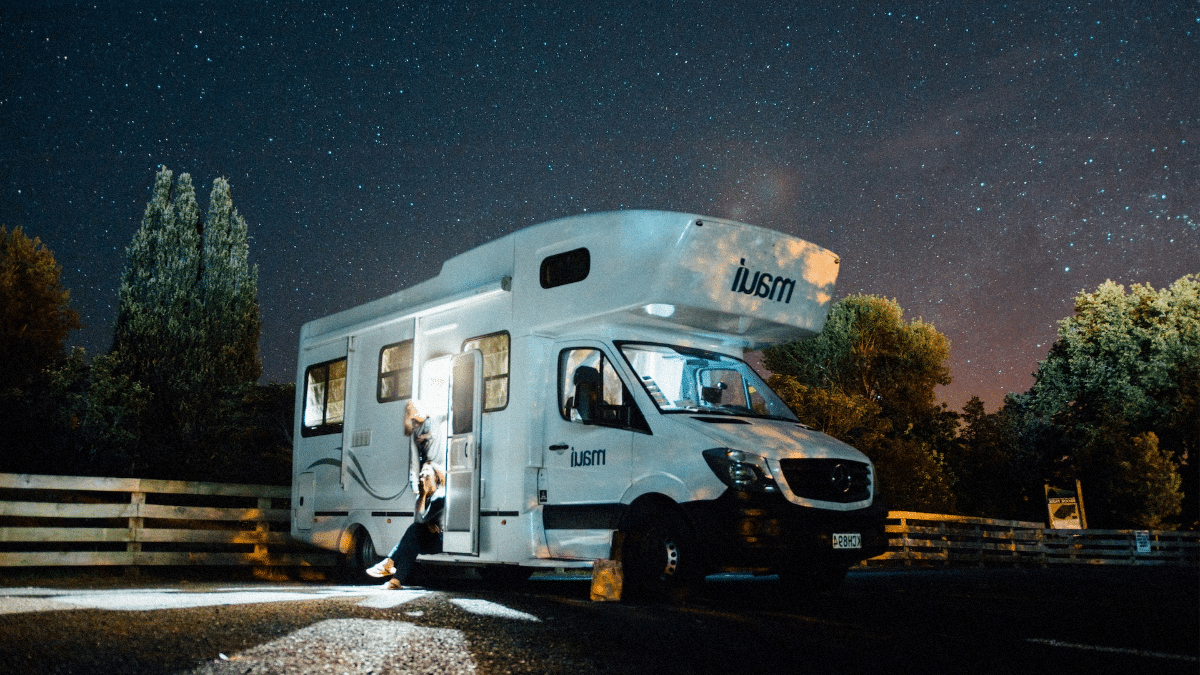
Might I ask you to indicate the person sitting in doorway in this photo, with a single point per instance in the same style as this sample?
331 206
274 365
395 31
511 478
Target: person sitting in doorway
424 535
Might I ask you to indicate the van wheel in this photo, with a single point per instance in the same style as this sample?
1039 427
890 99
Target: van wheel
361 555
658 557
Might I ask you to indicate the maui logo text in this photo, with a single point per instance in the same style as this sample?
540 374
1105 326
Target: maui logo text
763 285
588 457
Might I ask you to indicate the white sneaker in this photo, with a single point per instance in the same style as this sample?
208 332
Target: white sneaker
382 569
391 585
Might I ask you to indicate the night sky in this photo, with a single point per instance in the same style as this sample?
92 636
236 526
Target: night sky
980 162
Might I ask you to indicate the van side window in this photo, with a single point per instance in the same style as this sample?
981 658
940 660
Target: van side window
565 268
591 392
495 368
395 372
324 398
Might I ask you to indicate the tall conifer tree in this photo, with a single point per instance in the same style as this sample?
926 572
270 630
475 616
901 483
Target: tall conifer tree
187 324
229 292
156 307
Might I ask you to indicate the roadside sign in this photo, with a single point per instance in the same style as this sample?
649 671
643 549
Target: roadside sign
1142 537
1064 510
1064 513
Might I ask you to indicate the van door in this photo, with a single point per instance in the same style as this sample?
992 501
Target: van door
587 462
460 523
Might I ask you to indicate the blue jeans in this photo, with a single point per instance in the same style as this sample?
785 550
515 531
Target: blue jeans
417 539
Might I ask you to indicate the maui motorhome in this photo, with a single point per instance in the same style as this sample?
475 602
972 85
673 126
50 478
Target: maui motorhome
585 380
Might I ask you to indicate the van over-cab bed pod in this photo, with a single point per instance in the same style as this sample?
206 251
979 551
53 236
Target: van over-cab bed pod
741 284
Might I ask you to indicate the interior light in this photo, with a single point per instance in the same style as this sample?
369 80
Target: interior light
662 310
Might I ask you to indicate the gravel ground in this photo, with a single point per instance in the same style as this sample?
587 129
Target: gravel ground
357 646
1087 621
102 642
438 632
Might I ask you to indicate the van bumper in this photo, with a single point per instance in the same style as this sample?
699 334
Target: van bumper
767 533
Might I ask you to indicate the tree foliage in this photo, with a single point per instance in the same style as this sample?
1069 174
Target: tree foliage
868 350
228 293
34 314
176 396
92 418
34 322
188 325
995 476
868 379
1116 403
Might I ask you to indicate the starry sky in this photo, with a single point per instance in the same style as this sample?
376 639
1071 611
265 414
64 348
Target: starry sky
980 162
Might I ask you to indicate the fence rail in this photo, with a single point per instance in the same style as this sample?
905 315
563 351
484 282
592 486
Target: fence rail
65 520
935 539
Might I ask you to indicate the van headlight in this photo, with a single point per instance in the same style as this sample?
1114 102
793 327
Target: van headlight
742 471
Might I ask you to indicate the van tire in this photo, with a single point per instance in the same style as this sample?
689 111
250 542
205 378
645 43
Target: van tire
362 554
659 555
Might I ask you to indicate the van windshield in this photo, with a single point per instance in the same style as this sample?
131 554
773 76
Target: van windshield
682 379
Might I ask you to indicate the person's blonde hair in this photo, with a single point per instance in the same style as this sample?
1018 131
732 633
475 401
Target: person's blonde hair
439 476
412 416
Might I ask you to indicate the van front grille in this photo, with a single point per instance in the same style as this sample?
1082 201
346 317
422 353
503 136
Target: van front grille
828 480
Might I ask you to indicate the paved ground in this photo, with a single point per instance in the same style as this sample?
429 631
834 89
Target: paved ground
978 621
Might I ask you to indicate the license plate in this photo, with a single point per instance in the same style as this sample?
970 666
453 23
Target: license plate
847 540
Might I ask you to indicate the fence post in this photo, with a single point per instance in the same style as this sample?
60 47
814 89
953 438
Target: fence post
979 536
134 545
262 527
945 543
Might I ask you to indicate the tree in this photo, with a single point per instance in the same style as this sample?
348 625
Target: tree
866 349
868 379
1116 403
229 293
34 323
1131 481
994 476
831 410
158 311
188 325
98 417
34 316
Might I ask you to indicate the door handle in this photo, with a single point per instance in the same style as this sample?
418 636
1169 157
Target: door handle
559 447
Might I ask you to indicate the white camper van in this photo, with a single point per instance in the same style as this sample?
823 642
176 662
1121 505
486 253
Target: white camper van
586 382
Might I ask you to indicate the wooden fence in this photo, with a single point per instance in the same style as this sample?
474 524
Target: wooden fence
68 521
934 539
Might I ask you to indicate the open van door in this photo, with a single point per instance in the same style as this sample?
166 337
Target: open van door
460 523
